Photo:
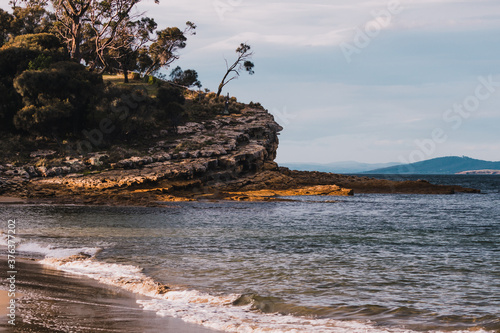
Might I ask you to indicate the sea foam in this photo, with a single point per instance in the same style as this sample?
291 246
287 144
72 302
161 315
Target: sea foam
24 246
216 312
212 311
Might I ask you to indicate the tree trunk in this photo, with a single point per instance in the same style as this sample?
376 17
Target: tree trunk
125 74
75 40
220 90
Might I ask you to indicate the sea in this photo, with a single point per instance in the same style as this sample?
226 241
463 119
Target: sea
366 263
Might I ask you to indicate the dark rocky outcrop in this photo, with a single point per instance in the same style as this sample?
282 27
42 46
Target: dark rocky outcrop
215 159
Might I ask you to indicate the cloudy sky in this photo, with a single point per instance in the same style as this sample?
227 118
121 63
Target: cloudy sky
368 81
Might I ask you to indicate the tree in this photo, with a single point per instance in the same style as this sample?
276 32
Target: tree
187 78
31 19
131 38
108 21
163 51
242 62
5 26
70 15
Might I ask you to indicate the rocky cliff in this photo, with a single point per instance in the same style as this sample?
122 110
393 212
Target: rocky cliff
229 157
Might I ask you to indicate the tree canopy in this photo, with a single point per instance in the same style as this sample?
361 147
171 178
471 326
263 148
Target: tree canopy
53 54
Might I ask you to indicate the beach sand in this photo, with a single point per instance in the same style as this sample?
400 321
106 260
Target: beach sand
48 300
11 200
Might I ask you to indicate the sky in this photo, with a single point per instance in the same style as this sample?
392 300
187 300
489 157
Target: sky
369 81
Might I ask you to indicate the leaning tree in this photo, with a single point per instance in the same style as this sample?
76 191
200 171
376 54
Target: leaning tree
242 62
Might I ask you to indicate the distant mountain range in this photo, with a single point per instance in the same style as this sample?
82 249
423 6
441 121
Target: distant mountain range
338 167
437 166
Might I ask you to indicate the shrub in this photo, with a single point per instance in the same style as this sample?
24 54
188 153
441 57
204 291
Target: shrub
34 51
169 103
64 93
169 94
52 117
129 110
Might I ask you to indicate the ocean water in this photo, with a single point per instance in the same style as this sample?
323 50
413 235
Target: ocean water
367 263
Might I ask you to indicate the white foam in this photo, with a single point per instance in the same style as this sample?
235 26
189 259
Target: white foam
48 251
242 319
128 277
53 252
3 239
230 318
216 312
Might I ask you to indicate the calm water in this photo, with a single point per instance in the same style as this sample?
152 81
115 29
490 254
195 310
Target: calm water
364 263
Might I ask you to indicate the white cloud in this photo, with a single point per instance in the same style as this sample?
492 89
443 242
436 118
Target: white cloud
372 110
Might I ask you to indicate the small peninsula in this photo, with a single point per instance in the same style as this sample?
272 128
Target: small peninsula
226 157
116 132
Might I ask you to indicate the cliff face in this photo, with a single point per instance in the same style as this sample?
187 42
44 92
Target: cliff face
203 154
230 157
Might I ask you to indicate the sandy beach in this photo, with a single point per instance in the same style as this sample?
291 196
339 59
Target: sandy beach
6 200
53 301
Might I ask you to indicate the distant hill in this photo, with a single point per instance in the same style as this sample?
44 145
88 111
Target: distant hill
338 167
439 166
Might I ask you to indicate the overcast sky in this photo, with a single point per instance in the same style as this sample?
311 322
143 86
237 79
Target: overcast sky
369 81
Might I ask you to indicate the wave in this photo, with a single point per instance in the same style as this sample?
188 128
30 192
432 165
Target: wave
229 313
27 247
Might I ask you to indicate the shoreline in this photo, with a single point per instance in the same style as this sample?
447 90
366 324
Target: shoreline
50 300
280 184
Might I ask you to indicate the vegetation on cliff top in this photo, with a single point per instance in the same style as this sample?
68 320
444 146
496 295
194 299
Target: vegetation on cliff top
89 71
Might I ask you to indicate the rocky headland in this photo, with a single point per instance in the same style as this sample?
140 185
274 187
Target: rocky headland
230 157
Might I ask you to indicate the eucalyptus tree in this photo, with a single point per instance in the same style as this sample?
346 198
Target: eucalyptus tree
242 62
70 16
164 49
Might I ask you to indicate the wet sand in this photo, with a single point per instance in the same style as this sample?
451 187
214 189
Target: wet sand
6 200
53 301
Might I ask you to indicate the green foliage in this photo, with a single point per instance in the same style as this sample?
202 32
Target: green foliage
52 116
5 26
35 51
15 56
31 19
41 42
163 51
40 62
202 106
57 99
169 94
130 111
10 102
256 106
169 104
152 80
242 62
187 78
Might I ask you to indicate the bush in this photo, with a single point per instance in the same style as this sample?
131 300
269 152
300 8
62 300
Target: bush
129 110
53 117
16 56
170 94
43 42
169 103
10 103
35 51
64 93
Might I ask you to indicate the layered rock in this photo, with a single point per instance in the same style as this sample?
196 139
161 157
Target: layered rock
229 157
212 152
